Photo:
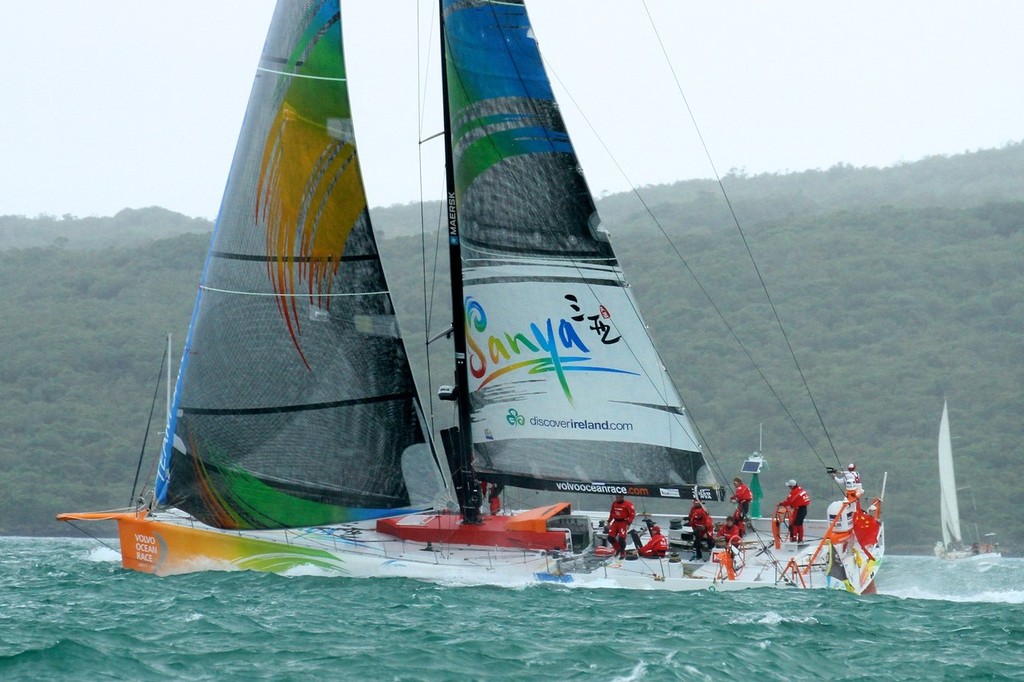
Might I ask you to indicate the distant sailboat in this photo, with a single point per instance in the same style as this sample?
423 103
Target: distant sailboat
296 435
952 546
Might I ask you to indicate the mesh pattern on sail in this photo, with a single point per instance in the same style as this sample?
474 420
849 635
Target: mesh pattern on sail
566 384
573 460
296 401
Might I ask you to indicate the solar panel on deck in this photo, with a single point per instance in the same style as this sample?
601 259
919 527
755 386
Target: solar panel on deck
751 467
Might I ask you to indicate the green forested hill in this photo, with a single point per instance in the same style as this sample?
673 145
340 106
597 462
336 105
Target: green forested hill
897 287
81 335
129 225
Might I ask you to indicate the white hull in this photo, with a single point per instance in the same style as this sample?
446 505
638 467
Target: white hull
961 555
168 543
964 554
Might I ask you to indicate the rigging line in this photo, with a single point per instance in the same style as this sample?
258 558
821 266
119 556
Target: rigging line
692 274
437 256
145 437
422 73
429 296
98 539
706 451
420 87
743 236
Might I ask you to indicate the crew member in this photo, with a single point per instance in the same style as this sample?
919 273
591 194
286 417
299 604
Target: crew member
850 480
494 498
657 546
797 502
620 517
703 528
737 518
742 497
730 532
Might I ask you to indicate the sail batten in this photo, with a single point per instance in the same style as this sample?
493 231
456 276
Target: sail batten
297 408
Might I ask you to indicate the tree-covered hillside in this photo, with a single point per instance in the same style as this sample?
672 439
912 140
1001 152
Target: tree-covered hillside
897 288
128 226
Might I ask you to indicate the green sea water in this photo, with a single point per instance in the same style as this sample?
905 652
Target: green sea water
68 611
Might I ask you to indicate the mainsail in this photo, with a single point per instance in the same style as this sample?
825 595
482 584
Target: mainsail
295 403
567 390
947 485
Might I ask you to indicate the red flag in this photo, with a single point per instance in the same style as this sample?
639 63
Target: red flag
866 528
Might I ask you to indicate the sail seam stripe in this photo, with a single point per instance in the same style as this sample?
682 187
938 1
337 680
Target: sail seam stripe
301 75
501 259
290 259
297 408
525 278
286 295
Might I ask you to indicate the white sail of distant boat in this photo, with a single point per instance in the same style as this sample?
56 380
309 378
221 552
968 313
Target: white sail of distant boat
952 545
950 511
296 434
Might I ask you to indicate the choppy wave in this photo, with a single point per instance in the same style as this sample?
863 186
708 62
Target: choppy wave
68 611
993 581
102 553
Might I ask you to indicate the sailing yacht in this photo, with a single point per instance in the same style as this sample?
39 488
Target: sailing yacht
952 546
296 436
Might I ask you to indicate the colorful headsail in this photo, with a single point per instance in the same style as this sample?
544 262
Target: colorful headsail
568 392
295 404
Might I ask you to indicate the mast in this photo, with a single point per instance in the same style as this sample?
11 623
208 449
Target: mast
169 363
466 485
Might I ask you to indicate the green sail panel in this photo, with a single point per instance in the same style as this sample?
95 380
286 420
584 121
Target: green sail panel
567 390
295 403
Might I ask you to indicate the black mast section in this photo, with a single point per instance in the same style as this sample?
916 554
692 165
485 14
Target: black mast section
466 486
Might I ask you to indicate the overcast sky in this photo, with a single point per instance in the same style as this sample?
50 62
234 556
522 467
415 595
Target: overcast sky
109 104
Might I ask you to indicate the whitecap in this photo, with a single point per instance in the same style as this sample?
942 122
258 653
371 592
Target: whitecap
985 596
771 618
103 554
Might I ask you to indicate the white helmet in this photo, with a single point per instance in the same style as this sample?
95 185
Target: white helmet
790 483
851 467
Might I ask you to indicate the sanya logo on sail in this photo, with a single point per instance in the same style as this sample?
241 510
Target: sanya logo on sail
548 346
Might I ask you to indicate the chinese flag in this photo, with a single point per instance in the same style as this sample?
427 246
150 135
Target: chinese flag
866 528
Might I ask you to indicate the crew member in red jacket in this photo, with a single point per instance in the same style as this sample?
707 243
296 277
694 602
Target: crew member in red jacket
620 517
494 498
737 518
703 528
742 497
730 532
797 502
657 546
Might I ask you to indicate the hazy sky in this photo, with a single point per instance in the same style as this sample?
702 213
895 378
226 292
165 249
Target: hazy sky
110 104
